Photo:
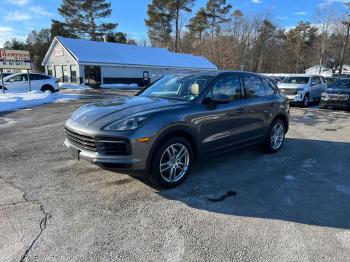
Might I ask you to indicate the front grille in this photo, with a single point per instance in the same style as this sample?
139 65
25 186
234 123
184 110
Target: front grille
341 97
81 141
105 146
289 92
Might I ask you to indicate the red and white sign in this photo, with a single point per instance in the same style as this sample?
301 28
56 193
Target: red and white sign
14 59
16 55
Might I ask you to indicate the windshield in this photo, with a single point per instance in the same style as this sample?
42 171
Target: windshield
296 80
341 83
180 87
330 80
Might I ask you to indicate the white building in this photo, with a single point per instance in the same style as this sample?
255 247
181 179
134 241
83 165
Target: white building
326 71
80 61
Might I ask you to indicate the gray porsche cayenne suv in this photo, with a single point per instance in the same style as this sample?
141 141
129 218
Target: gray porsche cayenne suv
179 119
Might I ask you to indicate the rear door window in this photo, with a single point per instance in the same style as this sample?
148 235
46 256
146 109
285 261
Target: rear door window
253 86
270 88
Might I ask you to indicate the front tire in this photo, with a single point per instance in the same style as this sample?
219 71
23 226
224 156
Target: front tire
276 135
322 106
172 162
306 101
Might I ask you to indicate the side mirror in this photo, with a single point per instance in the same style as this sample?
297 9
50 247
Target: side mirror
221 99
216 100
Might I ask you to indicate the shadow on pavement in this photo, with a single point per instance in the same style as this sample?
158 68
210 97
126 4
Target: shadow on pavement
307 182
316 116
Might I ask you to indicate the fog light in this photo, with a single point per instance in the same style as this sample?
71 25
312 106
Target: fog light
144 139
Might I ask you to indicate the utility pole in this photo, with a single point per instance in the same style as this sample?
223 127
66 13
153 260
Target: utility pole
347 23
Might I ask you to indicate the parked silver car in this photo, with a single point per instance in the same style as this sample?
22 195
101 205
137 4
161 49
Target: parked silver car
177 120
303 89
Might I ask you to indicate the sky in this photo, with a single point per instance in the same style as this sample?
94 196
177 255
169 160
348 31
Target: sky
19 17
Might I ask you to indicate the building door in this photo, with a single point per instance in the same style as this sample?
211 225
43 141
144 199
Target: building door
92 75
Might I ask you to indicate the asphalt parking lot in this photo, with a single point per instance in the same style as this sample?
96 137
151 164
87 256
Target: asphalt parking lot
241 206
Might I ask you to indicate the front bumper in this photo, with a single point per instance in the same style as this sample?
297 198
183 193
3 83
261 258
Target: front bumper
335 103
296 98
135 158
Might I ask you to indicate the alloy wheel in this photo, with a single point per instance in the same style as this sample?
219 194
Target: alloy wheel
174 162
277 136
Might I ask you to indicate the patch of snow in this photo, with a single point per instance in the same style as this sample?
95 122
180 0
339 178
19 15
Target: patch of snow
289 178
70 86
121 86
343 189
6 122
309 163
14 101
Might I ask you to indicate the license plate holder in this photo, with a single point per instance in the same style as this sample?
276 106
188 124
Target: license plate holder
75 153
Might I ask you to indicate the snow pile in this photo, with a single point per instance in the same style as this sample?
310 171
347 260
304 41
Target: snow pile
121 86
14 101
69 86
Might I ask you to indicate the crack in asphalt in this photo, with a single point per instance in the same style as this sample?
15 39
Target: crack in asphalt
43 222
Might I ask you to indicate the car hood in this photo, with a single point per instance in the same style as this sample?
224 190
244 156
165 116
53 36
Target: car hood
103 113
338 91
291 86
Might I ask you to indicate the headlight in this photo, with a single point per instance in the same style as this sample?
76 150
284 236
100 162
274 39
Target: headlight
125 124
300 89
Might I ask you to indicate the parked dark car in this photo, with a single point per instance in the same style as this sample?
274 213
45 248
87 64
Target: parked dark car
337 95
178 120
330 80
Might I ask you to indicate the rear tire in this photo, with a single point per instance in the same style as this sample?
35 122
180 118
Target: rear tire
48 88
275 137
172 162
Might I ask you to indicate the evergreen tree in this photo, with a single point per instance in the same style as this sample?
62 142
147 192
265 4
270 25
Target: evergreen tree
299 41
266 32
217 11
82 17
177 6
198 23
117 38
60 29
159 20
15 44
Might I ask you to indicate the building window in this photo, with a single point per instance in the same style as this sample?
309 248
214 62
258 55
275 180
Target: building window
65 73
49 71
73 73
